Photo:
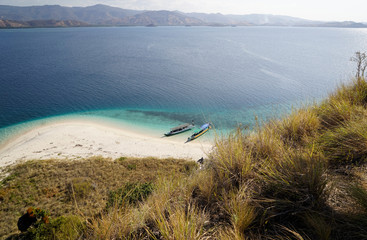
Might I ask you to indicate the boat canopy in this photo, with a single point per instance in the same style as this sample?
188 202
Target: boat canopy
206 125
180 127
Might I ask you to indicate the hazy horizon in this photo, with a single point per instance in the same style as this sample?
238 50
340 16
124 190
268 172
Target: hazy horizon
326 10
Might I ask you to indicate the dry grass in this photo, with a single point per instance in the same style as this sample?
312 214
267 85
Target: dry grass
232 159
119 222
359 194
180 222
299 128
294 178
354 92
75 187
239 207
346 144
334 112
318 224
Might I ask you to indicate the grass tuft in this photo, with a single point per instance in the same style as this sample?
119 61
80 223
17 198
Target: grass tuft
298 128
239 207
232 160
346 144
180 222
359 194
319 225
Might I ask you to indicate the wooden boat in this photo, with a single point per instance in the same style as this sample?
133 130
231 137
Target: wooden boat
202 131
180 129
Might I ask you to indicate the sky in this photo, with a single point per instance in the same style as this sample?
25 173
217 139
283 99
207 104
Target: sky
325 10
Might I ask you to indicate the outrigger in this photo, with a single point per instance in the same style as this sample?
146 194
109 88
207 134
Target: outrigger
180 129
202 131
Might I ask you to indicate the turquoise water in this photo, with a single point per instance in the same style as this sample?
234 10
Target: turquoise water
152 79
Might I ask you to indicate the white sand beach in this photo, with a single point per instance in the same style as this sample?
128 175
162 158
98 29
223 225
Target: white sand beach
81 139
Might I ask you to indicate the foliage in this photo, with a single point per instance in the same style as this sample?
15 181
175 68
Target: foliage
131 166
131 193
64 227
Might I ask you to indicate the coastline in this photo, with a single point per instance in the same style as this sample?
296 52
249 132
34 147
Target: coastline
80 138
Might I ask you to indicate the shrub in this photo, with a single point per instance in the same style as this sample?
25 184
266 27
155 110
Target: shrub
131 166
121 159
64 227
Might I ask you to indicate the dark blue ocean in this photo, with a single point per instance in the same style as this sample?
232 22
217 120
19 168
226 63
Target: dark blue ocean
162 76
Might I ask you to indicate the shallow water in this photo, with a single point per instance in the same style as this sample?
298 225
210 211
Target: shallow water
156 78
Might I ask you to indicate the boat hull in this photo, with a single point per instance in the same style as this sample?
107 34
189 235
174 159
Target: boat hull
195 136
178 132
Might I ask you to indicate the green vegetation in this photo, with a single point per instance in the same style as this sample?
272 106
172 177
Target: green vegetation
75 189
301 177
131 193
63 227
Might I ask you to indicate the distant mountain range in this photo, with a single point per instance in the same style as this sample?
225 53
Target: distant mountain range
41 23
102 15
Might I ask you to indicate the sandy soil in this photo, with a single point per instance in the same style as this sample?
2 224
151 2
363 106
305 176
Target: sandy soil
82 139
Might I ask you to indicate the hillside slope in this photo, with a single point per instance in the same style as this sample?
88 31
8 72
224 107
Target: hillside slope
41 23
106 15
97 14
300 177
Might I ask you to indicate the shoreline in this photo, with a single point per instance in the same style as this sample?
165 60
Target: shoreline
80 138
